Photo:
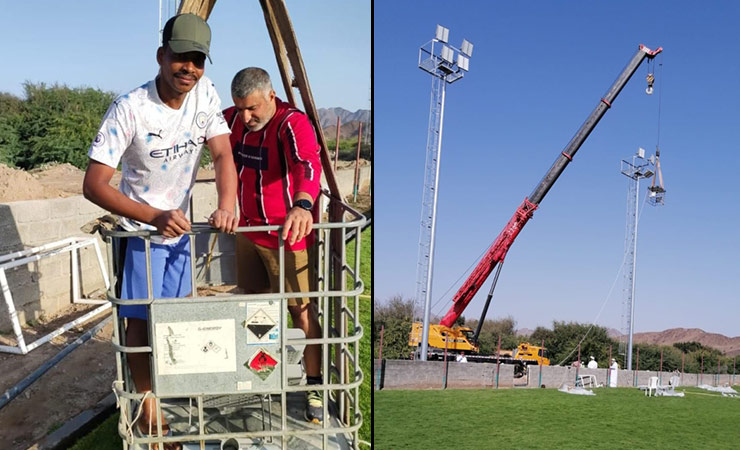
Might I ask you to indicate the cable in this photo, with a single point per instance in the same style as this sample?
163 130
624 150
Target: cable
660 100
456 281
606 300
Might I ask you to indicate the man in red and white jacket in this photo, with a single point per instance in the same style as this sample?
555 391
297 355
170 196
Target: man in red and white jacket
277 161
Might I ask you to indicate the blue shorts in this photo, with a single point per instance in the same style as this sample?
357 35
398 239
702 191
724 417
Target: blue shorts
170 274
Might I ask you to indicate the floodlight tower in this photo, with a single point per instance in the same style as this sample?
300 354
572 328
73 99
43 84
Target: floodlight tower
635 170
447 64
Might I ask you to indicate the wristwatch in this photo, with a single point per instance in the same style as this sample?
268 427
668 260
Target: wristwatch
303 203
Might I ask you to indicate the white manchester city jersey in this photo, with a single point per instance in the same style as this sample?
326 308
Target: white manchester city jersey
158 147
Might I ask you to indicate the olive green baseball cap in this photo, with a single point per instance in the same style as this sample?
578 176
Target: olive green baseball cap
187 33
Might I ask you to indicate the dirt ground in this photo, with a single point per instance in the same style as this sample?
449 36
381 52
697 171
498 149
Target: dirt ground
84 377
74 384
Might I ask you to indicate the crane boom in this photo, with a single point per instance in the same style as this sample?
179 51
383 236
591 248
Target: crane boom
497 251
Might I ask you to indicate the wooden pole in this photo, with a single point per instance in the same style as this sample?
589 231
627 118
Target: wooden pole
200 8
542 349
281 53
719 362
660 374
579 363
444 377
290 60
609 369
380 354
498 361
637 369
701 373
356 184
336 147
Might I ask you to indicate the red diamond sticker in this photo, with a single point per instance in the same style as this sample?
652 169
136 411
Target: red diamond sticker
262 364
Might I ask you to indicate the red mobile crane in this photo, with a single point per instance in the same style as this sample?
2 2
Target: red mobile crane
497 252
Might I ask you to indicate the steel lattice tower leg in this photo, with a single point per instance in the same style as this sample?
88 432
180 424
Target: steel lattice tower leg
630 256
425 264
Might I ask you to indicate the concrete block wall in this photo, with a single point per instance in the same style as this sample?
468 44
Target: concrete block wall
222 268
554 376
44 288
406 374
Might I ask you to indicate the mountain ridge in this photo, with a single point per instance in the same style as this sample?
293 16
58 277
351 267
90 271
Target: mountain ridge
730 346
349 122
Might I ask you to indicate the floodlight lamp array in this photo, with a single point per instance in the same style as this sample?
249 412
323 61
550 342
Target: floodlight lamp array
466 48
448 62
442 34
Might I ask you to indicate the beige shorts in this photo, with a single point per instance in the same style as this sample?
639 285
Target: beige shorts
258 270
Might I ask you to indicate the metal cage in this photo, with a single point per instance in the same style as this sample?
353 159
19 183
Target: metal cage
212 404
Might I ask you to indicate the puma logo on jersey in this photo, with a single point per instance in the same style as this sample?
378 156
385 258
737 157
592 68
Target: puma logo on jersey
159 135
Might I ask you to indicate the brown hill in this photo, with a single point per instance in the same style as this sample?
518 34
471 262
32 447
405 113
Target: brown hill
346 130
728 346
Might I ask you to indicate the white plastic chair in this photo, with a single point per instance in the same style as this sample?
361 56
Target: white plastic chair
675 381
652 386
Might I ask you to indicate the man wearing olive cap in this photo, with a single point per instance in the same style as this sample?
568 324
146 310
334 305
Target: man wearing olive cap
157 132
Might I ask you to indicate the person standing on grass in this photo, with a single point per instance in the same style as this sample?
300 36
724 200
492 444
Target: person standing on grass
277 159
156 132
613 376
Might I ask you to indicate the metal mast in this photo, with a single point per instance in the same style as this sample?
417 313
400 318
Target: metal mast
637 169
447 64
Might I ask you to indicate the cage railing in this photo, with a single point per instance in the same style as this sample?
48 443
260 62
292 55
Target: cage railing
337 280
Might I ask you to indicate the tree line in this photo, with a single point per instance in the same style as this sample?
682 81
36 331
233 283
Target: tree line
52 123
56 124
396 316
348 148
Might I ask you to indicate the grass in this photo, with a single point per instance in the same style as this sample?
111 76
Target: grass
365 317
105 436
547 418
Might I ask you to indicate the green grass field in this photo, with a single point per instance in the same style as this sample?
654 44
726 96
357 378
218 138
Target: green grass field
365 319
547 418
105 436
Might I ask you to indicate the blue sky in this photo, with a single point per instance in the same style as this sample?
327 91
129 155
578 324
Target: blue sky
537 71
112 45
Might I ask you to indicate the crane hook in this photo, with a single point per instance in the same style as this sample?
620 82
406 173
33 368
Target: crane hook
650 80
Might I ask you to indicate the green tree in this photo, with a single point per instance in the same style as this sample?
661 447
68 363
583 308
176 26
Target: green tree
58 124
395 317
687 347
562 342
490 332
348 149
10 117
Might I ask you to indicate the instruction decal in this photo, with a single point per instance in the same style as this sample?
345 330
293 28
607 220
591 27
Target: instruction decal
262 324
195 347
262 364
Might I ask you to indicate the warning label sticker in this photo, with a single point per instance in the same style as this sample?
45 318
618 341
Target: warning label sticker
195 347
262 364
262 324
